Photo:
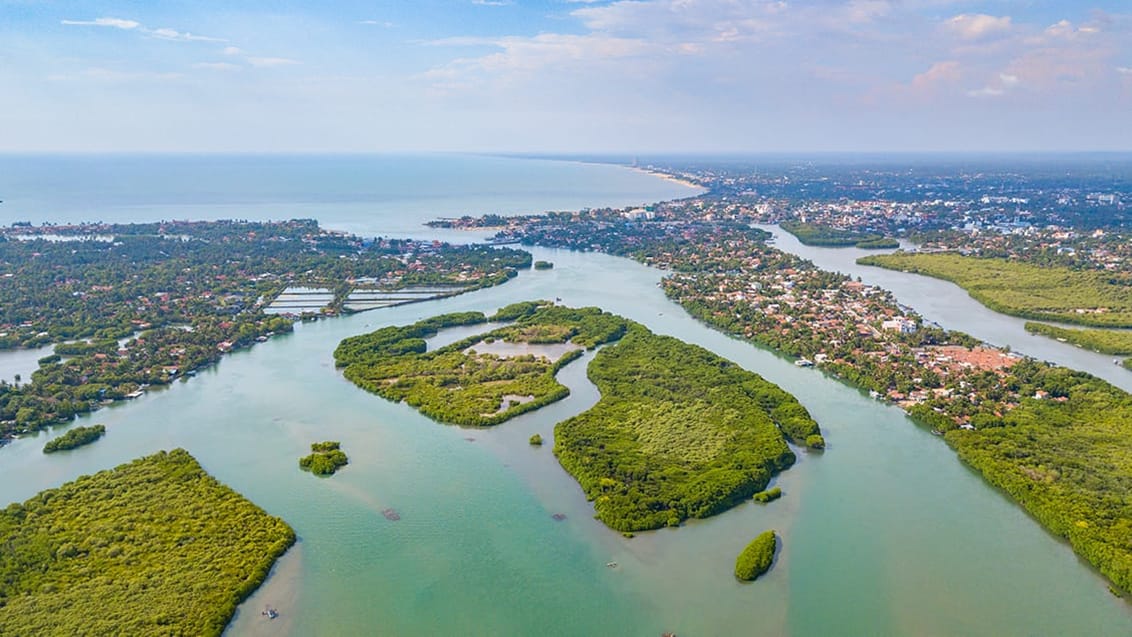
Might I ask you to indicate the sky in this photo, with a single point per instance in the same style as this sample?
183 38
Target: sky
566 76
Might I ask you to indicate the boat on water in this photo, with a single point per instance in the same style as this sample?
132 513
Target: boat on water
804 362
270 612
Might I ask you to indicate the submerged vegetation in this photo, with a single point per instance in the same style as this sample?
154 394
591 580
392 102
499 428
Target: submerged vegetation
76 437
1046 292
456 384
325 458
1117 343
815 235
153 547
757 558
678 433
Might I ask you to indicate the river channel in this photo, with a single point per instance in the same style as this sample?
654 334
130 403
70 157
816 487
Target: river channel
886 533
949 305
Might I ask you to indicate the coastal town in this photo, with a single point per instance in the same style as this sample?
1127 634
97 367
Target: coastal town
130 306
1047 435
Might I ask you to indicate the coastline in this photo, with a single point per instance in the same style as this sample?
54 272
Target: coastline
671 179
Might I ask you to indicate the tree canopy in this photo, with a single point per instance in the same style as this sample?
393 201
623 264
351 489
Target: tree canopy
153 547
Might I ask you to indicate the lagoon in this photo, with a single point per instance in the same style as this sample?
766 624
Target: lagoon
885 533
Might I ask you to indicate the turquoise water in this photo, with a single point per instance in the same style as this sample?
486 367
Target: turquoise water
885 533
385 195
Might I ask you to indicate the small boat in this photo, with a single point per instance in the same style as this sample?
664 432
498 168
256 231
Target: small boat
937 432
611 564
804 362
558 517
270 612
391 514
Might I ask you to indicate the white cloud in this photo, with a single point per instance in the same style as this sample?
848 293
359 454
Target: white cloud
987 91
170 34
117 23
939 73
976 26
492 3
269 62
133 25
1124 70
380 23
232 50
1005 83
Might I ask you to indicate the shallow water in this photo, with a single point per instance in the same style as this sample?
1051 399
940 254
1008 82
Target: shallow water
885 533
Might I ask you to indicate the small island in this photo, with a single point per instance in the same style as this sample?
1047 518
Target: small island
153 547
459 385
325 458
678 433
76 437
543 265
757 558
827 236
1115 342
770 495
536 440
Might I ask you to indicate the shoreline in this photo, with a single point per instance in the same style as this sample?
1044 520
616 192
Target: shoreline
671 179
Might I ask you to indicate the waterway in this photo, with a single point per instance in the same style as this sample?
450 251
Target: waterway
885 533
949 305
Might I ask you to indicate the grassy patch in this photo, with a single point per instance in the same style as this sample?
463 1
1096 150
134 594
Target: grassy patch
155 546
1056 293
468 388
678 433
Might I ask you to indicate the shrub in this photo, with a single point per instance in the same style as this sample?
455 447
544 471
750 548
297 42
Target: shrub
769 495
757 558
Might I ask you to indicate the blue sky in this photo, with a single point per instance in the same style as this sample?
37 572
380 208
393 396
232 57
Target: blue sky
566 75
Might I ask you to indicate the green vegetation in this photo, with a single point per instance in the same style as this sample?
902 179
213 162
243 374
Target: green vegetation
543 265
1117 343
1053 292
814 235
153 547
679 432
76 437
879 243
536 440
770 495
1067 459
757 557
152 281
325 458
457 385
